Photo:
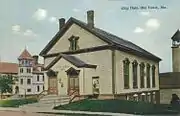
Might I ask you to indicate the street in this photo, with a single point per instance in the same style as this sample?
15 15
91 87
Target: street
21 113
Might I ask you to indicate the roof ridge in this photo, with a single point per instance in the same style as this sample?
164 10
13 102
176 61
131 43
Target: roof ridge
109 37
113 35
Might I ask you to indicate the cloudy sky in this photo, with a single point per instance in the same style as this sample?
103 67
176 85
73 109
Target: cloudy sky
32 23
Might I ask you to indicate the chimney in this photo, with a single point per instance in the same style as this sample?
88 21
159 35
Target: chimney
35 57
61 23
90 18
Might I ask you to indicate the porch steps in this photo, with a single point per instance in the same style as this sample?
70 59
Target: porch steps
60 100
47 102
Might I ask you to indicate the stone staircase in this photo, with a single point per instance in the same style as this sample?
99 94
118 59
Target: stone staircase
46 103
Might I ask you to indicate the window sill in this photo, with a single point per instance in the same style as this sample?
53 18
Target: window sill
135 87
126 87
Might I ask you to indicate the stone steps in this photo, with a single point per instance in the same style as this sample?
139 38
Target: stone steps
47 102
54 98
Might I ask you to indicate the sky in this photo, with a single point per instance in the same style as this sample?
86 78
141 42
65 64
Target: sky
31 24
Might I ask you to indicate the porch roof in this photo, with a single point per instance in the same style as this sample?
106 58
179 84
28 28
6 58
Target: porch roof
73 60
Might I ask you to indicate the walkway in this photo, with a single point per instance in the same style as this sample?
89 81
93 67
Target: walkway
20 113
61 111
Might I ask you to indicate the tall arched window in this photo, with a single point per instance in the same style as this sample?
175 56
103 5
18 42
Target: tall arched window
134 69
153 76
126 73
148 75
142 66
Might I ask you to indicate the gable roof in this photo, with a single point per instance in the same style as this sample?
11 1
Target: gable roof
8 68
105 36
25 55
73 60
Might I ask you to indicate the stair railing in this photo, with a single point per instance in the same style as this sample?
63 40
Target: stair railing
73 95
42 94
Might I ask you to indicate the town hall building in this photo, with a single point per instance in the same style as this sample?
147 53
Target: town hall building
84 60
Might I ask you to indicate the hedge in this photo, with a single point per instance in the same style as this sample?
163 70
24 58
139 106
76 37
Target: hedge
16 103
118 106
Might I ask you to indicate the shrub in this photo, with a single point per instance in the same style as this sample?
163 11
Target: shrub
118 106
16 103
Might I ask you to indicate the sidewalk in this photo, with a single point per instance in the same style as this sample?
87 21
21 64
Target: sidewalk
64 112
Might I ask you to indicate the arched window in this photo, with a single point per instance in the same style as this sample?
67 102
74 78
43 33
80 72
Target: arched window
126 73
134 69
148 75
142 66
153 76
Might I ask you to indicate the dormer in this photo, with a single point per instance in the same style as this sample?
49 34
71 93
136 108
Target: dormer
73 43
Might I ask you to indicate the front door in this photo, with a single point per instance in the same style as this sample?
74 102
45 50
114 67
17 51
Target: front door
73 81
73 87
53 85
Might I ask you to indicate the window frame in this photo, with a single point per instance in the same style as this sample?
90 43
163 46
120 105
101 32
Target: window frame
38 88
42 77
28 90
73 43
21 81
28 81
135 74
148 82
21 70
142 75
153 76
126 72
38 78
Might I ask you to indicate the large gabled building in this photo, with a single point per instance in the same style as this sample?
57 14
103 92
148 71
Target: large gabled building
84 60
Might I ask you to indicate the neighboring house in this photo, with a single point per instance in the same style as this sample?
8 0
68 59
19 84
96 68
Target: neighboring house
27 74
31 77
84 60
10 70
170 81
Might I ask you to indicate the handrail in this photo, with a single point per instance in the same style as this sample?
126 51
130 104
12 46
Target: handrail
73 92
71 99
39 95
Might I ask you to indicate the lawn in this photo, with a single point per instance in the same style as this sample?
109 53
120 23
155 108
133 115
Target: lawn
118 106
16 103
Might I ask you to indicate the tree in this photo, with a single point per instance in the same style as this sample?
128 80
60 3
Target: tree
6 83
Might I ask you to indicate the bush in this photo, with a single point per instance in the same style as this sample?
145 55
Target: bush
16 103
118 106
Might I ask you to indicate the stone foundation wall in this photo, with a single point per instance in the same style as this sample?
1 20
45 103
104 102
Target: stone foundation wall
165 95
